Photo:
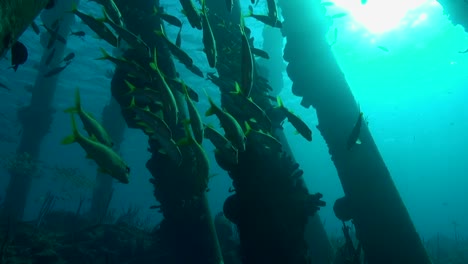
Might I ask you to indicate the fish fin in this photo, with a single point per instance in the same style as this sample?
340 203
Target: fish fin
296 132
105 55
73 137
69 140
248 129
130 86
358 141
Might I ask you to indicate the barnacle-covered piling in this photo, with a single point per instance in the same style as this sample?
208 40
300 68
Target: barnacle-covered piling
385 229
268 205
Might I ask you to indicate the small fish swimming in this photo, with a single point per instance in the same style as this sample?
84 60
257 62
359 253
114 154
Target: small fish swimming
260 53
180 54
195 119
339 15
19 55
91 125
78 33
232 129
209 41
353 138
383 48
168 18
222 144
297 123
133 40
263 138
69 57
56 70
35 27
267 20
151 122
192 13
97 26
247 60
108 161
171 110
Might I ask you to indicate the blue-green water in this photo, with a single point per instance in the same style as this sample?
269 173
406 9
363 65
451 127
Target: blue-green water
413 95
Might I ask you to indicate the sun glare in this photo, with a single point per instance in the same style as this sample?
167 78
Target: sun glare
379 16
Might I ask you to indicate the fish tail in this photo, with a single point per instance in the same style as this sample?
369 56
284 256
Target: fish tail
280 102
238 90
105 55
132 104
211 110
74 136
130 86
248 128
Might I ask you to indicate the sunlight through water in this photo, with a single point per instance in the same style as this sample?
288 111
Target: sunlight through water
380 16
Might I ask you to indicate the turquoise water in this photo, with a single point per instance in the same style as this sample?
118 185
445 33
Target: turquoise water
413 94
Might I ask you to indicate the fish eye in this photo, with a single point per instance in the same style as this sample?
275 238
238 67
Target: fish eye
128 169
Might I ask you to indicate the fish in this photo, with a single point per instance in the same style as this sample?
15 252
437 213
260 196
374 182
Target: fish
178 41
112 10
267 20
180 86
97 26
327 4
229 5
247 60
353 137
35 27
108 160
78 33
133 40
209 41
4 86
50 57
171 109
272 9
91 125
149 93
195 119
130 67
383 48
168 18
56 70
54 35
248 107
69 57
193 15
298 124
201 170
180 54
339 15
222 144
232 129
150 122
260 53
19 55
195 70
263 138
